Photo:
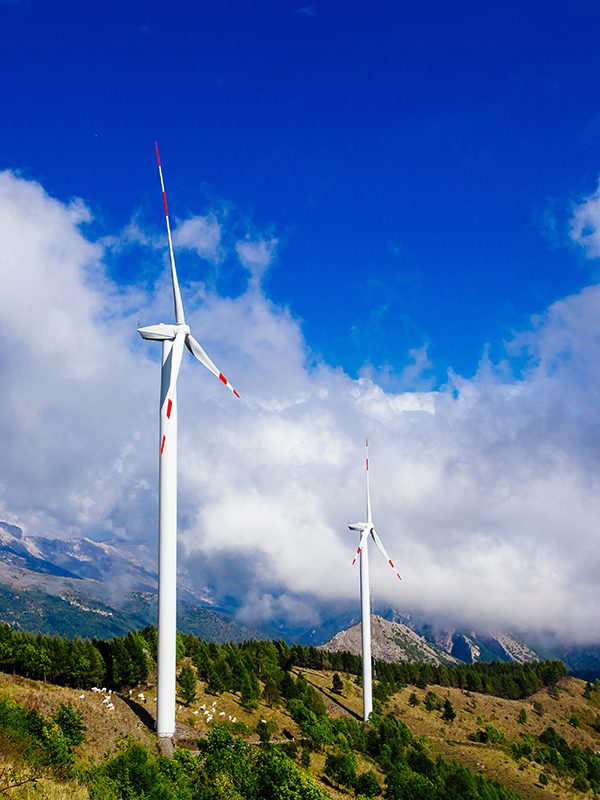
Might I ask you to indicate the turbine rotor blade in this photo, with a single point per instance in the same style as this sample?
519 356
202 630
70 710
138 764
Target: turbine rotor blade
369 514
176 356
179 316
379 544
167 406
200 353
361 543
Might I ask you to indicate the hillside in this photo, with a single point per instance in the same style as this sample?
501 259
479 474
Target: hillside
262 711
105 728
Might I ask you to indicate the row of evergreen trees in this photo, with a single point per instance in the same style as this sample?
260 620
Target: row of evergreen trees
126 661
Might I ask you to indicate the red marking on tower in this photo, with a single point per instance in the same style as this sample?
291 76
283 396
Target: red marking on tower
169 407
162 445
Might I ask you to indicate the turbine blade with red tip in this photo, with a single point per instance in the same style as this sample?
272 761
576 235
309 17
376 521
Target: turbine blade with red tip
379 544
199 352
179 316
175 364
361 544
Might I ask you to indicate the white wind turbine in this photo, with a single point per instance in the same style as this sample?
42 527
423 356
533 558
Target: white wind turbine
366 529
173 337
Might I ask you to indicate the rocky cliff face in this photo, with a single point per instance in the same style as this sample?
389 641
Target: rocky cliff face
390 641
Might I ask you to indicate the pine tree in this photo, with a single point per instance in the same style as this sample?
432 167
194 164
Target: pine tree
187 684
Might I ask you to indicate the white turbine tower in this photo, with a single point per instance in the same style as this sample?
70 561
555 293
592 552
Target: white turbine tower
174 338
366 529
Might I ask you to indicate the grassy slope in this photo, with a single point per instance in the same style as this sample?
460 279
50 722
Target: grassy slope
105 727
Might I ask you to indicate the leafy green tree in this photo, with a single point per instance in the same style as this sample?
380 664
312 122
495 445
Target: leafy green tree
137 775
522 718
265 730
413 700
341 768
337 684
278 778
188 684
367 785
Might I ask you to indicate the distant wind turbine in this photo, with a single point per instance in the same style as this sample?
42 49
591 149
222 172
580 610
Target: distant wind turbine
366 529
173 338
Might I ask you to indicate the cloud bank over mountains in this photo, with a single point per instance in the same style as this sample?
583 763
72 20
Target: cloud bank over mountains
486 491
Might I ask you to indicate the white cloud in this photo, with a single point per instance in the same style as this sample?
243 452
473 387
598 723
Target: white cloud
202 234
256 255
485 493
585 224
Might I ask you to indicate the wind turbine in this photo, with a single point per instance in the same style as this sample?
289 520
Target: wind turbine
173 337
367 530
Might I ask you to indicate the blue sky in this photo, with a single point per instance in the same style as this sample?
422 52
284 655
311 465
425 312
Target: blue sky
386 221
415 161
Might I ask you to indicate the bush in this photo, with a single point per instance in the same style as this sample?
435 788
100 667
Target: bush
367 785
341 768
70 721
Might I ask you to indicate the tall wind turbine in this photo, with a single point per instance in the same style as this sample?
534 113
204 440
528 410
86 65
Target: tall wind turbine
367 530
173 337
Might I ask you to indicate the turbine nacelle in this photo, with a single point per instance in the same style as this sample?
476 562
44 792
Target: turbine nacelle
158 333
163 332
359 526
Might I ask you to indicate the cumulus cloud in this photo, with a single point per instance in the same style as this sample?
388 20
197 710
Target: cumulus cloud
485 492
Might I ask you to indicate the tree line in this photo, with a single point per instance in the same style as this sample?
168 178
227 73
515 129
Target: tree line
253 668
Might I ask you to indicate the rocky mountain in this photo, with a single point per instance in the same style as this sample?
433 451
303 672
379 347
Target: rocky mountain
390 641
80 587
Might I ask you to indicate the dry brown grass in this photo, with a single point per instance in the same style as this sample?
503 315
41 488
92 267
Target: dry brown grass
496 761
473 711
104 727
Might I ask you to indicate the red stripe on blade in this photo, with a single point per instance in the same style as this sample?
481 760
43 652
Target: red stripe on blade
222 378
157 155
367 463
235 393
165 204
169 407
162 445
392 564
